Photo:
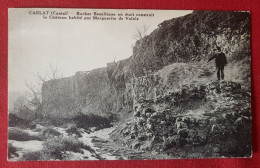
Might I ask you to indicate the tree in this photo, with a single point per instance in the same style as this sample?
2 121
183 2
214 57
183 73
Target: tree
34 90
141 32
50 97
19 103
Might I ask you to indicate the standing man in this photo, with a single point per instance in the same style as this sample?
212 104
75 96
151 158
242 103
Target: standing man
221 61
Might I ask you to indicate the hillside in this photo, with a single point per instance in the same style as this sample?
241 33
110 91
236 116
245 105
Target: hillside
166 95
188 39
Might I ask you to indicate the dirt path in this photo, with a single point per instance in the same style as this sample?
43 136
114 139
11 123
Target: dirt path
110 150
105 148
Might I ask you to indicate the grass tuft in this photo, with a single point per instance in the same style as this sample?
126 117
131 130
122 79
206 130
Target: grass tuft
20 135
12 151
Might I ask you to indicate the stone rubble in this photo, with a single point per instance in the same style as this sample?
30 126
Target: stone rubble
223 109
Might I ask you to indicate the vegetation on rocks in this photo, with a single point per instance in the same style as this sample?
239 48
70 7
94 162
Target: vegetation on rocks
58 148
73 130
12 151
165 97
167 91
20 135
50 132
14 121
220 122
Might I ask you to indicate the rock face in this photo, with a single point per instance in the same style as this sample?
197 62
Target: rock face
189 39
192 38
86 92
166 90
209 115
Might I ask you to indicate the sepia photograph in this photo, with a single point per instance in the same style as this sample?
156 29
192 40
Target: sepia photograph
124 84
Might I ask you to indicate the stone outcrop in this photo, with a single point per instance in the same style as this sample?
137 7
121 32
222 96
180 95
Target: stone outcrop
85 92
187 39
165 92
218 113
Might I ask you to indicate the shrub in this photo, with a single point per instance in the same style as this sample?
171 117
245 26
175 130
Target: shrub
35 155
38 129
49 132
11 151
92 120
14 121
74 130
20 135
57 146
32 125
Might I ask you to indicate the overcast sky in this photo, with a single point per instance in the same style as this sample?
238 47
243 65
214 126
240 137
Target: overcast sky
72 45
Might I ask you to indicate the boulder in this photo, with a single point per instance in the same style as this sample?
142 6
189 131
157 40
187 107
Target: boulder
168 144
185 119
214 129
147 146
174 140
240 121
167 117
163 122
126 133
192 133
148 110
137 113
141 122
192 120
216 150
203 122
178 119
142 137
202 139
32 125
135 145
132 136
180 125
149 126
154 115
183 133
213 120
149 135
151 120
148 115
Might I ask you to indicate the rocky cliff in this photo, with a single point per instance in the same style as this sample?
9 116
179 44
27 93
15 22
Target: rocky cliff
166 91
188 39
212 119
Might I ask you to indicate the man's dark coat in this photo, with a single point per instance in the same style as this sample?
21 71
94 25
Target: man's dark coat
220 59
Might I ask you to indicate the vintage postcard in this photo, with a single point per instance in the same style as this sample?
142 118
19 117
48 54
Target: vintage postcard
105 84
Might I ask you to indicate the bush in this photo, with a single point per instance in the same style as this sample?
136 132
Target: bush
74 130
38 129
57 146
32 125
20 135
35 155
92 120
49 132
14 121
12 151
